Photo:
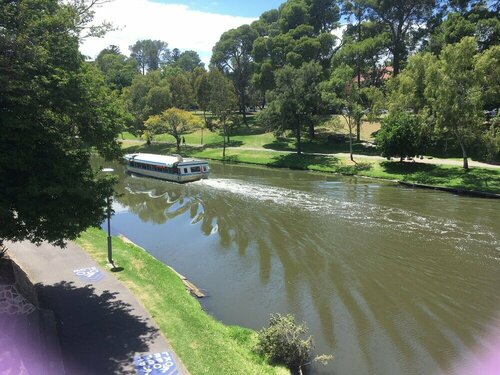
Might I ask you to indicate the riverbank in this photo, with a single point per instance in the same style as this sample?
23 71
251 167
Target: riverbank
439 175
204 344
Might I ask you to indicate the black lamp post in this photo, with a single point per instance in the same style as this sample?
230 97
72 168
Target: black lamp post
110 250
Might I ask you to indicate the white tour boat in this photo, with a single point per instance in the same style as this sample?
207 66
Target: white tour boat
166 167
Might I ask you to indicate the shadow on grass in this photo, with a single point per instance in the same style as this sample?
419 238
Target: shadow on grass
479 179
288 144
294 161
220 144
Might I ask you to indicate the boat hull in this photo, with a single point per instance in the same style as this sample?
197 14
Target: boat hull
168 176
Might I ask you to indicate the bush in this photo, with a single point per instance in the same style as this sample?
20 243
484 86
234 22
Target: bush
398 136
282 342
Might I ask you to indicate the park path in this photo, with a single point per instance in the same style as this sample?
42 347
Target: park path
426 160
345 155
101 325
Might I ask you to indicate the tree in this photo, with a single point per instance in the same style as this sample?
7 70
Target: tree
232 55
150 54
173 121
148 95
294 101
343 94
202 93
398 136
54 110
118 69
402 18
180 87
222 102
454 93
479 22
189 61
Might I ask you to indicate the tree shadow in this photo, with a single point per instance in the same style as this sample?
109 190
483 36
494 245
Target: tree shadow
304 161
280 144
232 143
98 333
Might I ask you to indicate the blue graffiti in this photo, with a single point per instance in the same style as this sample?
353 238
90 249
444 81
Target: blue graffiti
155 364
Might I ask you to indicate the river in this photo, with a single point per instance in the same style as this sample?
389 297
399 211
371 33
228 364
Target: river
390 280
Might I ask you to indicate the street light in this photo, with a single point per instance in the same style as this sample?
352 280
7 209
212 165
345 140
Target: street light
108 200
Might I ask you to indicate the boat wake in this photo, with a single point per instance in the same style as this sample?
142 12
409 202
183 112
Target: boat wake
361 213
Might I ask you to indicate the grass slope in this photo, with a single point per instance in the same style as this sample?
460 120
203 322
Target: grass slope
205 345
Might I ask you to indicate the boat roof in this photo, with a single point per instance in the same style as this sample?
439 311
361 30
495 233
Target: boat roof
162 159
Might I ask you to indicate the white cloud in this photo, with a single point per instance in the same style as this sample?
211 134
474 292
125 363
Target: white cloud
175 24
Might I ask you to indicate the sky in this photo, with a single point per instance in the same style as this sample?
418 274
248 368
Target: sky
185 24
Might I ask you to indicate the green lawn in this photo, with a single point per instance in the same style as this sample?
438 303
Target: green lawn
205 345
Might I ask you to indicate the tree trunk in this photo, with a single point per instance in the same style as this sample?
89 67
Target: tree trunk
396 59
350 146
224 142
358 130
205 122
464 154
312 134
178 144
297 137
243 110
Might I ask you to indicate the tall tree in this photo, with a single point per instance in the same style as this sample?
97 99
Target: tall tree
401 17
342 92
54 110
454 92
222 102
189 61
202 93
294 101
150 54
232 54
148 95
118 69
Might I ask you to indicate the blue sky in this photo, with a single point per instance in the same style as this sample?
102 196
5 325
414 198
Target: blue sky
252 8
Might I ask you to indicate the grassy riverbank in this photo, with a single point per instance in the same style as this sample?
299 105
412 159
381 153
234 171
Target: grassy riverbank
477 179
205 345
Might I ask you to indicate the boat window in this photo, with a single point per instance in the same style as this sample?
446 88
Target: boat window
195 169
185 170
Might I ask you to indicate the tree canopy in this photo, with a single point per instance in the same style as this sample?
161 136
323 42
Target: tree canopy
54 109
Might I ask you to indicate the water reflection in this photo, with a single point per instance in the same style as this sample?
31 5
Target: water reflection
390 280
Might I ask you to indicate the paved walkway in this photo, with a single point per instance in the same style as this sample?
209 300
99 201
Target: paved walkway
101 325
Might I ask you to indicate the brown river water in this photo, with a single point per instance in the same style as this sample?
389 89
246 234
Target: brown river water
390 280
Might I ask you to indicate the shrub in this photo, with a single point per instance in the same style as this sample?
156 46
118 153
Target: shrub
282 342
398 136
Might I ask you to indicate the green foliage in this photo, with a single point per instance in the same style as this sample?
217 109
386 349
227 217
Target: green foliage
148 95
54 110
173 121
149 54
232 56
222 102
180 87
402 18
282 342
189 61
491 141
296 100
398 136
118 70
